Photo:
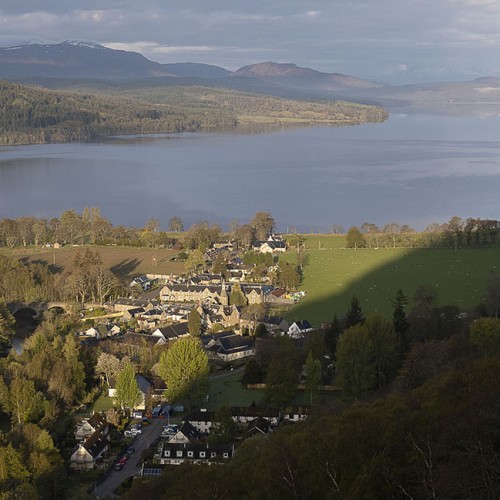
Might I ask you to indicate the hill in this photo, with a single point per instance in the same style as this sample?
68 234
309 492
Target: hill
73 59
196 70
32 115
293 75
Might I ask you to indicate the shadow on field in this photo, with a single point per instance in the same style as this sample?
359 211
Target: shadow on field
374 275
125 268
53 268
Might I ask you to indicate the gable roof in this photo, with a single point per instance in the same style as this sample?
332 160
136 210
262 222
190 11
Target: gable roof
95 444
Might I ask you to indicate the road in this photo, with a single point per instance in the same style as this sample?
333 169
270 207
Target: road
141 442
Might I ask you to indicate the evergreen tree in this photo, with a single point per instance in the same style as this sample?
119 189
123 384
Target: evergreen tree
253 374
354 315
237 297
332 335
313 375
194 322
399 321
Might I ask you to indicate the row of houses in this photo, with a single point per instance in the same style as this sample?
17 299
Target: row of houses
216 293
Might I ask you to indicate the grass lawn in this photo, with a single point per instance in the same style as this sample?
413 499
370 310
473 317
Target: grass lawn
103 402
333 274
228 391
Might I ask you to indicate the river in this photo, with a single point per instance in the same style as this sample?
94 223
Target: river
412 169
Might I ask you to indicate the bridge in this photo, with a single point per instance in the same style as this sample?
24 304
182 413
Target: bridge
38 308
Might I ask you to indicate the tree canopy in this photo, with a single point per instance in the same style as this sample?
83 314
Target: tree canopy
184 368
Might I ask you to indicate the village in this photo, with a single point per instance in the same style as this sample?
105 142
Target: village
228 311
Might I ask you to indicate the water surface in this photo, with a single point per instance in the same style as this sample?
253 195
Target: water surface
412 169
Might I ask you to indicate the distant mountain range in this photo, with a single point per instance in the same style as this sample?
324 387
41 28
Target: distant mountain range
83 61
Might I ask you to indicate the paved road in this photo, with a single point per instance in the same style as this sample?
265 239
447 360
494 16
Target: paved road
140 443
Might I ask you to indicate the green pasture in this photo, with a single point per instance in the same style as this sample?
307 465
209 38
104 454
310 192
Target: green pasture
334 273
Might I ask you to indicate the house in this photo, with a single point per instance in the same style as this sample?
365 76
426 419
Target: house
86 454
201 420
195 453
279 296
259 425
87 427
102 331
187 433
245 414
298 328
273 244
273 323
142 281
129 314
172 332
93 435
140 340
227 346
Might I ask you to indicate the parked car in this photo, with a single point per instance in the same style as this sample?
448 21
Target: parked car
119 466
169 429
130 450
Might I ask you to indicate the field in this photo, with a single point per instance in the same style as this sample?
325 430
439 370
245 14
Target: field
126 262
334 273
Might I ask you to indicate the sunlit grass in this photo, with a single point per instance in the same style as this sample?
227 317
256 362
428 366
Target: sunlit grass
333 274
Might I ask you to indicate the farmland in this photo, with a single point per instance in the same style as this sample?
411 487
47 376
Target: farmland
334 273
125 262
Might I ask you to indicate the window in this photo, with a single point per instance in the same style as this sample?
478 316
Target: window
213 454
179 453
226 455
167 453
202 454
190 454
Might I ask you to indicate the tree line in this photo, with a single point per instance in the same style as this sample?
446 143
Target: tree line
456 233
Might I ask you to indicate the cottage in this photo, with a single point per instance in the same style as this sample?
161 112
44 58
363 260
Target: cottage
298 328
94 436
187 433
85 456
87 427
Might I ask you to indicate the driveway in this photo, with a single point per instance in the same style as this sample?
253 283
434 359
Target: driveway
141 442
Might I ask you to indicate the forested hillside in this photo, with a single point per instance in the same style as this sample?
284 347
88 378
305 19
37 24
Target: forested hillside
31 115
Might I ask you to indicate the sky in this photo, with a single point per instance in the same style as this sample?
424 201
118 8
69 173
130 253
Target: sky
394 41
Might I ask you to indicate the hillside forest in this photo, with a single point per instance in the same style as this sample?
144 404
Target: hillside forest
31 115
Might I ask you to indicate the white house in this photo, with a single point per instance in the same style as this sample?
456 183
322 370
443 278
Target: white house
298 328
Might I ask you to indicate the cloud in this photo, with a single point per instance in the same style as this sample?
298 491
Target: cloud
156 48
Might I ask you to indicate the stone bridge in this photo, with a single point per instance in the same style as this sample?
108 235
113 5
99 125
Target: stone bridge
38 308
